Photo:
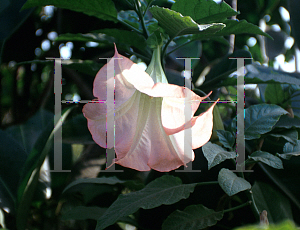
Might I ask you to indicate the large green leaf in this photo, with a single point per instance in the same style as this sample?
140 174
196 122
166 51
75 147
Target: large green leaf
215 154
103 9
226 138
11 17
175 24
290 135
164 190
260 119
288 122
193 217
231 183
122 38
19 141
290 150
240 27
13 156
257 74
31 171
273 201
267 158
204 11
269 75
103 180
274 94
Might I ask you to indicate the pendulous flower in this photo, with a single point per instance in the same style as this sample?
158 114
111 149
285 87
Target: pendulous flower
149 116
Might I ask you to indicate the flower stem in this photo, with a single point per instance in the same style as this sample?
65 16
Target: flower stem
139 12
237 207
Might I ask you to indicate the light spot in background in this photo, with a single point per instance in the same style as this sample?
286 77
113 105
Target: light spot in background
76 97
276 28
70 45
65 52
68 97
251 41
289 42
91 44
82 49
281 64
33 67
186 73
49 11
52 35
267 18
37 51
46 45
6 209
285 15
12 64
38 32
218 1
142 65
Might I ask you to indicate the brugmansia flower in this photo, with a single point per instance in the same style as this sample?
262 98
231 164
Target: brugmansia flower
149 116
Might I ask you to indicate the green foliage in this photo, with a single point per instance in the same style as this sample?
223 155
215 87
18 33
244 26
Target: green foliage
173 200
102 9
231 183
259 119
215 154
191 218
164 190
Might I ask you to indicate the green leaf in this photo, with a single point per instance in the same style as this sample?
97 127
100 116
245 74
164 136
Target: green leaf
164 190
289 135
102 9
287 122
31 171
273 201
231 183
83 213
204 11
260 119
11 18
264 74
215 154
226 138
240 27
175 24
290 150
122 38
193 217
267 158
103 180
274 94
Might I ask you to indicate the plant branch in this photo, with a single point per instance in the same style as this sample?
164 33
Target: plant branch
141 16
237 207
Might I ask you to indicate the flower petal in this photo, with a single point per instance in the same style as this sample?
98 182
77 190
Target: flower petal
151 147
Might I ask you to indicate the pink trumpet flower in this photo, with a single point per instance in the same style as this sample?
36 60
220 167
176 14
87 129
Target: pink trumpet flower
149 116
